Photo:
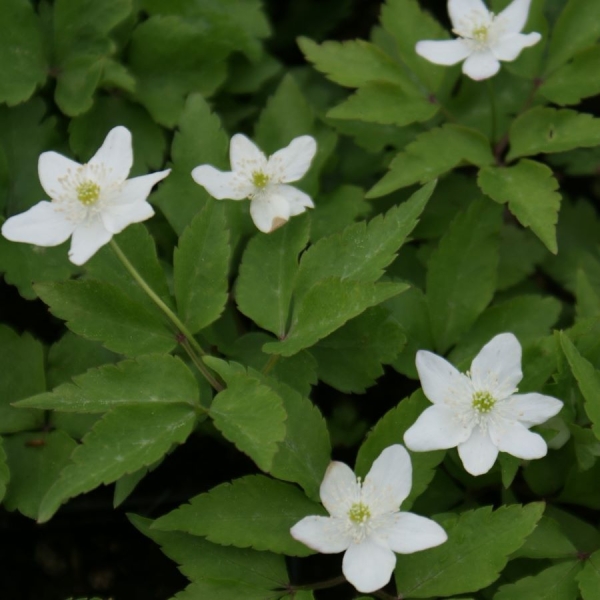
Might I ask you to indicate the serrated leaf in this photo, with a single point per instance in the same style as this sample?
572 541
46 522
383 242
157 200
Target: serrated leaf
147 380
589 577
223 590
478 547
253 511
201 268
432 154
520 253
529 188
546 541
123 441
461 278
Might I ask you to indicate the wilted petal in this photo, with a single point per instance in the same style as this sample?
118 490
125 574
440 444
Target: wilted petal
246 157
41 225
269 211
481 65
406 533
368 566
444 52
339 489
461 10
533 409
292 162
51 168
517 440
514 17
323 534
388 482
115 156
437 428
440 380
297 199
88 238
221 185
478 453
510 46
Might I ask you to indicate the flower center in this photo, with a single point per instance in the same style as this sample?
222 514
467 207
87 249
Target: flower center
359 513
483 402
480 33
88 193
259 179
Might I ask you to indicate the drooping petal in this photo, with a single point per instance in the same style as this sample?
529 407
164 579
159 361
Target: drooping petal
481 65
437 428
52 167
368 566
115 157
514 17
292 162
339 489
533 409
510 46
497 367
298 200
269 211
223 185
119 216
388 482
41 225
460 11
88 238
406 533
441 382
478 453
516 439
444 52
246 157
323 534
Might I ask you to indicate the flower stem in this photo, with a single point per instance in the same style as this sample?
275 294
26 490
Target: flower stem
270 364
490 89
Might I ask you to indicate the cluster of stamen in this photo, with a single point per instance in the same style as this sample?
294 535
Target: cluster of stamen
480 34
359 513
259 179
88 193
483 402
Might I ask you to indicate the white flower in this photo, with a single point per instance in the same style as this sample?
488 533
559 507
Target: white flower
480 412
365 520
484 38
90 202
262 180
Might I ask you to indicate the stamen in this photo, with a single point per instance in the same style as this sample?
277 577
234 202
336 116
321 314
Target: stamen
88 193
259 179
483 402
359 513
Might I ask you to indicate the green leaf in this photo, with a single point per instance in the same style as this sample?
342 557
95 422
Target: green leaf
123 441
4 470
432 154
588 300
201 267
589 577
22 54
267 274
253 511
461 278
390 430
549 130
520 253
35 461
102 312
529 188
546 541
248 413
223 590
147 380
479 544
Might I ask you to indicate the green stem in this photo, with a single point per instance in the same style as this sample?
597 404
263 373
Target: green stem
270 364
201 366
319 586
490 89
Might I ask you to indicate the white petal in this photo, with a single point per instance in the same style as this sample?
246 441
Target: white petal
139 188
41 225
115 156
368 566
533 409
406 533
297 199
52 167
441 382
510 46
246 157
269 211
514 17
119 216
497 367
478 453
461 10
221 185
517 440
481 65
88 238
323 534
444 52
437 428
388 482
292 162
339 489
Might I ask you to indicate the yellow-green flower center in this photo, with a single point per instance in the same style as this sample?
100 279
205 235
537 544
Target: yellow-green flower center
480 34
259 179
483 402
359 513
88 193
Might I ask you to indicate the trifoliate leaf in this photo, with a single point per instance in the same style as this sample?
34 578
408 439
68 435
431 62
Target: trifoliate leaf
589 577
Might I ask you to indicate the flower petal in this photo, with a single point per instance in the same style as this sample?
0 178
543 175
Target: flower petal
223 185
388 482
139 188
478 453
115 156
246 157
51 168
292 162
533 409
41 225
88 238
497 367
437 428
339 489
516 439
323 534
269 211
510 46
441 382
406 533
481 65
514 17
297 199
368 566
461 10
119 216
444 52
